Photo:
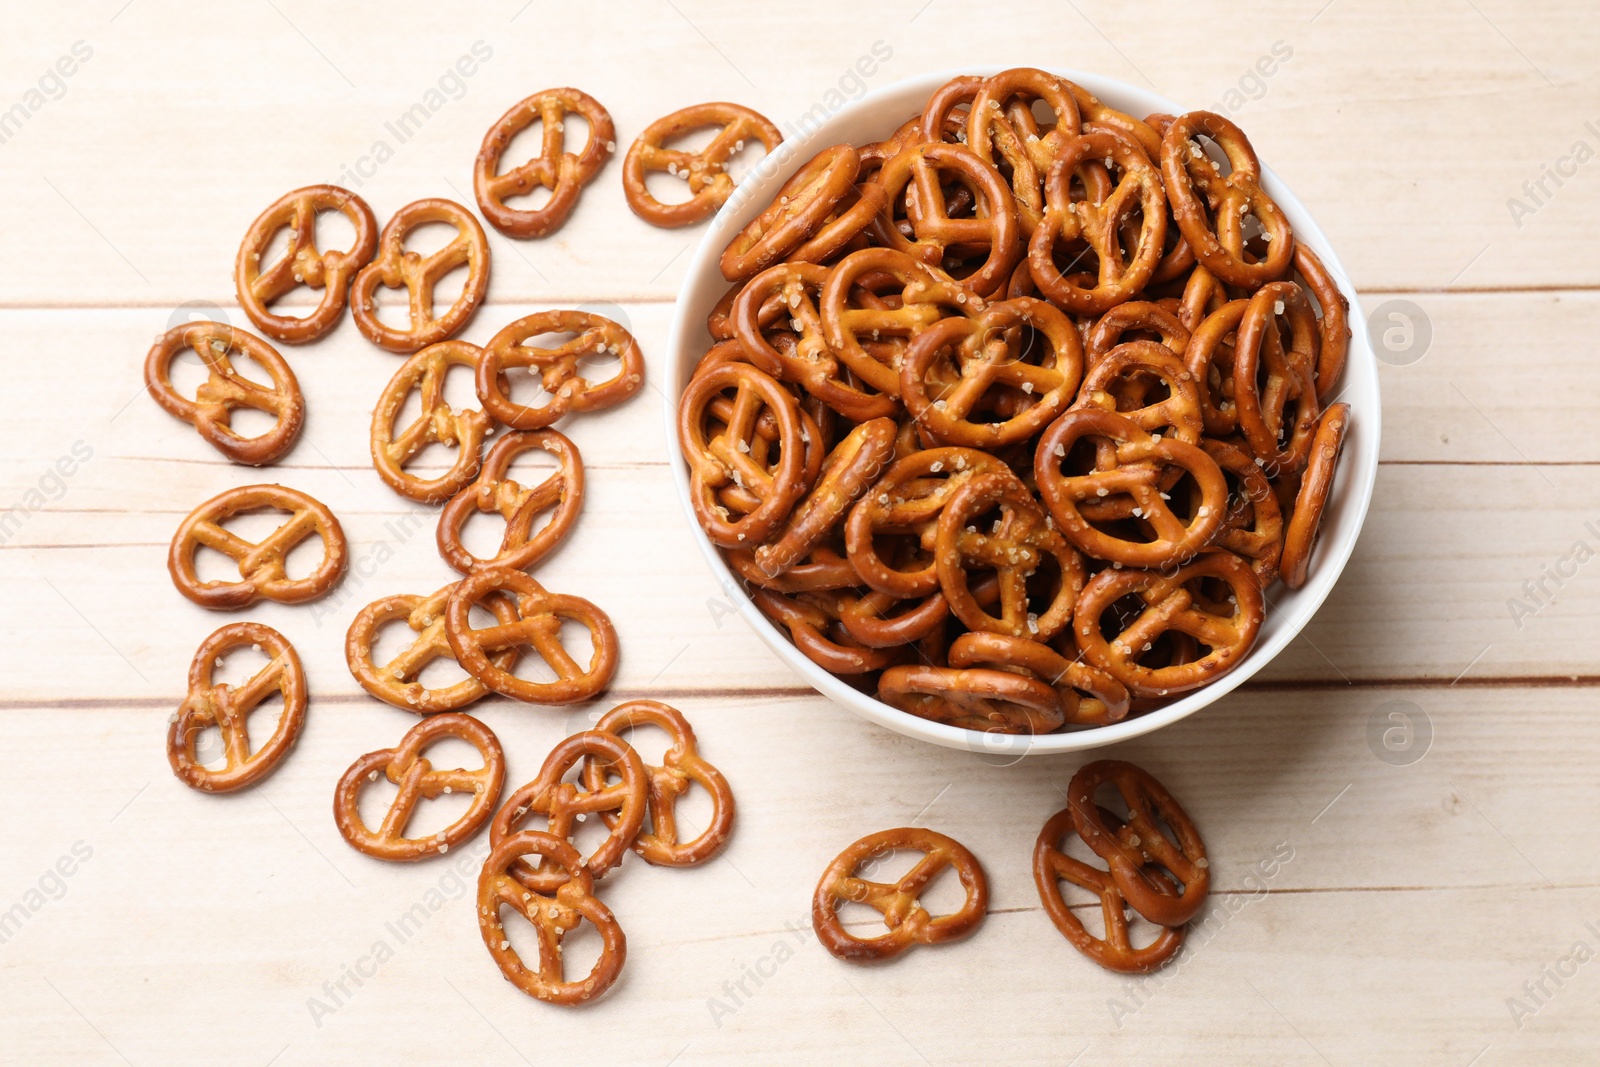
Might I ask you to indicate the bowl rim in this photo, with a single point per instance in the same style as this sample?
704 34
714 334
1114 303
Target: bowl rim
1353 492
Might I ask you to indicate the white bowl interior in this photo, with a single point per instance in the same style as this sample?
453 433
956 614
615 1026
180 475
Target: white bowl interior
874 117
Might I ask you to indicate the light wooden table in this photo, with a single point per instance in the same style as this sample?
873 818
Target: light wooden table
1440 904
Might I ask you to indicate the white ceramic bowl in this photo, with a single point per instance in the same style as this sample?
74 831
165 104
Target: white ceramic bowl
874 117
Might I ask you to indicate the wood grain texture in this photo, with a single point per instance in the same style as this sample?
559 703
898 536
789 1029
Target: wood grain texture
1435 897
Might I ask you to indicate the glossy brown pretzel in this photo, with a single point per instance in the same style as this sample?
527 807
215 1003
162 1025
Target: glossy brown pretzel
261 566
225 390
538 627
560 494
552 916
398 682
1115 950
228 708
1305 522
705 170
908 922
563 173
407 767
1130 856
302 263
558 367
436 423
397 268
681 767
563 804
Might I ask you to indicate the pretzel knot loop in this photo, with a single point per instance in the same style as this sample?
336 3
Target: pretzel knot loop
397 267
682 766
302 263
225 390
562 172
261 566
436 423
538 622
228 708
559 367
710 184
553 915
418 779
1215 599
1210 207
560 494
1099 221
1128 471
599 756
1137 853
908 922
398 682
1115 950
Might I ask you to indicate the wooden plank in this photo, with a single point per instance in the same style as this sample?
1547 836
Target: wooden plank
1464 905
208 149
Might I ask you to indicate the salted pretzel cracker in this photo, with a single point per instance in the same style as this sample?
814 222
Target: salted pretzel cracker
1088 696
1115 950
990 701
262 573
1172 600
493 492
980 354
537 627
1279 417
1129 463
1132 855
563 803
209 703
908 922
1098 221
1014 548
552 916
398 681
853 465
1210 208
563 173
907 501
225 390
728 452
796 213
558 366
682 766
302 263
866 335
705 170
913 178
1305 521
436 423
791 293
396 267
407 767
